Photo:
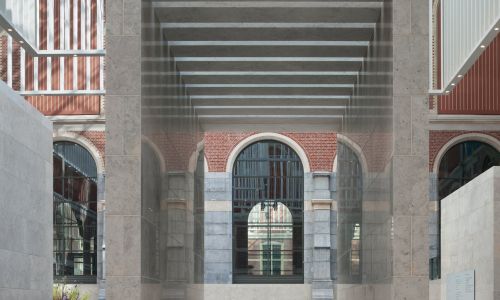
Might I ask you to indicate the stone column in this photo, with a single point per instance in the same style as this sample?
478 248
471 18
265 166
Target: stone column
322 284
123 149
176 249
218 228
410 184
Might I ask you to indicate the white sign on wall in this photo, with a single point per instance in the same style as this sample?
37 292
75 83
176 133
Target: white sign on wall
460 286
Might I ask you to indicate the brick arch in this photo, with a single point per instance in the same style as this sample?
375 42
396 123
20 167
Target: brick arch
157 152
356 149
193 159
319 147
243 144
86 143
441 141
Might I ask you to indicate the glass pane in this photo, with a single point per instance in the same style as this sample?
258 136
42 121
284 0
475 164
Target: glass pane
268 213
75 212
462 163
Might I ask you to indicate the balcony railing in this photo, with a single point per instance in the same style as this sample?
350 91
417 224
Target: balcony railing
53 47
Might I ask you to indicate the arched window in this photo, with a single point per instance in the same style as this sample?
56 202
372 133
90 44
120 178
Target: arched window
464 162
350 195
459 165
268 209
75 214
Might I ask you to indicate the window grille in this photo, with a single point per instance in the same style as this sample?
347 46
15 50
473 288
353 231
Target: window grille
268 208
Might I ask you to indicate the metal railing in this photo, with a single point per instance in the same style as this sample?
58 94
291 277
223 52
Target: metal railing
54 50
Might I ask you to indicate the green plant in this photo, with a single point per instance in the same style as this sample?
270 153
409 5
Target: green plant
57 292
68 292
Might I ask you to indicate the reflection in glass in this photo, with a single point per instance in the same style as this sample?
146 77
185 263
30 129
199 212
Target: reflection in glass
75 214
464 162
270 240
268 204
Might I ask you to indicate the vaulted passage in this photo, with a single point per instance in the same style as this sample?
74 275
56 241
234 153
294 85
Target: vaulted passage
263 62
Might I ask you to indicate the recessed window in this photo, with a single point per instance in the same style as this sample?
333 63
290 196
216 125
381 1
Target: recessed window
75 214
464 162
268 209
460 164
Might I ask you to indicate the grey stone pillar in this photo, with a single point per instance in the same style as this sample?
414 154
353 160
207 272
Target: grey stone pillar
123 149
322 284
218 228
176 250
410 173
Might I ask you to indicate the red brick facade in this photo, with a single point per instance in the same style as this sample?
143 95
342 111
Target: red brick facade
320 148
437 139
176 148
67 105
97 138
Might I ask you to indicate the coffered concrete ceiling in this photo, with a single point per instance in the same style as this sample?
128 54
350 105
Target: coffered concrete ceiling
268 63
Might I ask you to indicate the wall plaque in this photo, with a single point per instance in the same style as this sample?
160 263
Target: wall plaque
460 286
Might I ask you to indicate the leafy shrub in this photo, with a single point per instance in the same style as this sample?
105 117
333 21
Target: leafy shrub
68 292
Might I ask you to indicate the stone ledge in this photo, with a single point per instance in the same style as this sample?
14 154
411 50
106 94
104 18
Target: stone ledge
321 203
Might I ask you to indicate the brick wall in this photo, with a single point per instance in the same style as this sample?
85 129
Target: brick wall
98 138
176 148
67 105
437 139
320 148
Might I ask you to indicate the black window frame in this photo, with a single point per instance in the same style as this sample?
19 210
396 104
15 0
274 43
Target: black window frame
286 186
74 210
